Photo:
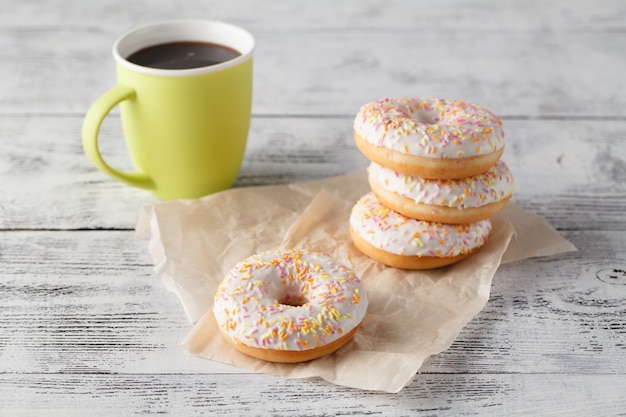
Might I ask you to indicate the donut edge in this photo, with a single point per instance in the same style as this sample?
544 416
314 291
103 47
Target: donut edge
291 356
433 213
432 168
405 262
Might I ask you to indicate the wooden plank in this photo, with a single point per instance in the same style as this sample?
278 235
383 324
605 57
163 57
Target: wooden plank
88 302
357 66
551 315
573 172
259 395
87 328
402 15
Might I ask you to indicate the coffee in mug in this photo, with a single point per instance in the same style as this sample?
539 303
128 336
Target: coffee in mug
183 55
185 95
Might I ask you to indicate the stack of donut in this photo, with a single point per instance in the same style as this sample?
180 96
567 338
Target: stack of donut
436 179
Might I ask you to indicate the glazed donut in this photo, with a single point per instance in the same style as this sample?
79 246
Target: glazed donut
429 138
402 242
289 305
465 200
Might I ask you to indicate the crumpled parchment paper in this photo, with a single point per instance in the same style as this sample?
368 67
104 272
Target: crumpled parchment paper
412 315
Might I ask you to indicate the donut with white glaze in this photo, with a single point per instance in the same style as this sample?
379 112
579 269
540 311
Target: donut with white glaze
459 201
429 138
289 305
402 242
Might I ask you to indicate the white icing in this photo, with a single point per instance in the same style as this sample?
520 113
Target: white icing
289 300
392 232
433 128
489 187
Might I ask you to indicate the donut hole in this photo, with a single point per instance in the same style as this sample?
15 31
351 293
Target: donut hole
293 300
424 117
290 294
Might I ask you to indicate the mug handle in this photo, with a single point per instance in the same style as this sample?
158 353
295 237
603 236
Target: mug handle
91 127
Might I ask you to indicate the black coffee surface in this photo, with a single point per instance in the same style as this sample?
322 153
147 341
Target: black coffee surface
182 55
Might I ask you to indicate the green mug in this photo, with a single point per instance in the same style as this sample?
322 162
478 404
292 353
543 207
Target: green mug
186 129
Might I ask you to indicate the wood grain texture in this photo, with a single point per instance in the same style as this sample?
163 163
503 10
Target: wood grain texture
92 304
511 73
516 65
87 328
263 395
573 172
327 15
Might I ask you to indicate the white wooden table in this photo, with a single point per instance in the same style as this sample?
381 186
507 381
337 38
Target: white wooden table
86 327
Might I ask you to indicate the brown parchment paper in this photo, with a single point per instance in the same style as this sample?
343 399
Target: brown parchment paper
412 315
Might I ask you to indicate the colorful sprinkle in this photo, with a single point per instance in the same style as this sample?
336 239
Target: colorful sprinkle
437 239
492 186
435 128
294 299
